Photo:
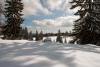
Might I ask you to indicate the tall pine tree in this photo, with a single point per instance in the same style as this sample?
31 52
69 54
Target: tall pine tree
25 36
37 36
41 35
1 19
59 38
14 18
87 27
30 36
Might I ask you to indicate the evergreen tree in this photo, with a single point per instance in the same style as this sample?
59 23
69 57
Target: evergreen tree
30 36
59 38
37 36
25 36
13 15
66 33
21 34
1 18
65 41
87 27
41 35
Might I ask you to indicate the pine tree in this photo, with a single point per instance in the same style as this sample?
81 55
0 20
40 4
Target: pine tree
25 33
65 41
14 18
37 36
21 34
41 35
87 27
30 35
59 38
1 19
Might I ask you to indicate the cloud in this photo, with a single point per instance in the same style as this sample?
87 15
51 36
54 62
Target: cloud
2 17
66 7
60 5
54 4
33 7
1 1
45 7
66 21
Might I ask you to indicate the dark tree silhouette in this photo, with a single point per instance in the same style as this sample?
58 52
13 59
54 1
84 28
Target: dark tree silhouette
87 27
1 18
13 9
37 36
25 33
30 36
59 38
65 41
41 35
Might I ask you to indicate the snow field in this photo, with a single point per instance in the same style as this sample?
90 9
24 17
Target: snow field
23 53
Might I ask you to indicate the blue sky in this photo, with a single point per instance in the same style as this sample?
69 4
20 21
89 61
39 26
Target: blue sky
48 15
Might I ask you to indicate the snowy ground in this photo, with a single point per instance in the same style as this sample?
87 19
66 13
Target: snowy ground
37 54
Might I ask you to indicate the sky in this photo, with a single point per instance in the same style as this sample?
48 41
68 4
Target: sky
48 15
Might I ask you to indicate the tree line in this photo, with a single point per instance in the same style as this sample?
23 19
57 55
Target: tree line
39 36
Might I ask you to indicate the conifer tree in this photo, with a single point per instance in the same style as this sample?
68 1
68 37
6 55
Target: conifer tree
25 33
59 38
1 18
37 36
65 41
41 35
87 27
13 9
30 35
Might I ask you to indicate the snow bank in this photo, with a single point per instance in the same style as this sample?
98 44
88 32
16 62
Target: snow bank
23 53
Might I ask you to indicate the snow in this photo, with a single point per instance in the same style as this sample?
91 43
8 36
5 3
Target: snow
53 38
23 53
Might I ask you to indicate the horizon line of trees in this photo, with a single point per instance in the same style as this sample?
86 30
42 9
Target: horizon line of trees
39 36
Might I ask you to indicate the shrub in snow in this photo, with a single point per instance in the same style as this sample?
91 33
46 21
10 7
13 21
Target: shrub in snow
98 43
47 40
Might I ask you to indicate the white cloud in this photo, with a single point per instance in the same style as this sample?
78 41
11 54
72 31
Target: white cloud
2 4
66 21
60 22
1 1
66 7
54 4
62 5
32 7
